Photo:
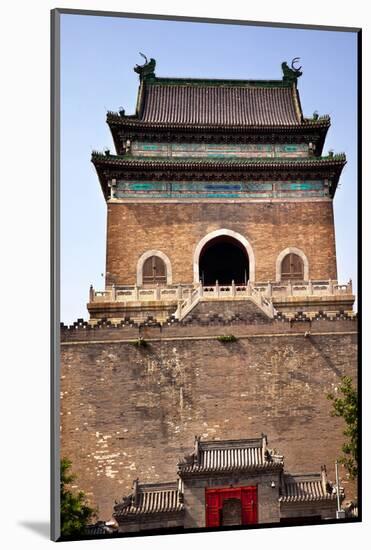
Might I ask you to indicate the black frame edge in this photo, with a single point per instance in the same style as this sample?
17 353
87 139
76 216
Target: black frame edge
55 273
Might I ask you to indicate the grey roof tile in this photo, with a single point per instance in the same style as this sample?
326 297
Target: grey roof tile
219 105
151 498
229 455
301 488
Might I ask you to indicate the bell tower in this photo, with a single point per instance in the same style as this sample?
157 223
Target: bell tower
218 189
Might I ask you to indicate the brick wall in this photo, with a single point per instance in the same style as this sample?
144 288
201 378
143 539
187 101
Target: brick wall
326 509
129 412
177 228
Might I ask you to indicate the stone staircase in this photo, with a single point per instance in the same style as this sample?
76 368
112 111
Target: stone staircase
225 293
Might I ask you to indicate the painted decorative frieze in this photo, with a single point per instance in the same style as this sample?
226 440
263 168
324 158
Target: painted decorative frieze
229 190
219 150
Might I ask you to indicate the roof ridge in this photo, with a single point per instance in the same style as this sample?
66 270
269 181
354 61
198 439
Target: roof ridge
220 442
185 81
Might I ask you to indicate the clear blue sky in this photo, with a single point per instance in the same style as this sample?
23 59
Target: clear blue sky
97 59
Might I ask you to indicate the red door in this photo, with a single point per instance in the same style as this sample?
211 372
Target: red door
249 501
212 509
216 498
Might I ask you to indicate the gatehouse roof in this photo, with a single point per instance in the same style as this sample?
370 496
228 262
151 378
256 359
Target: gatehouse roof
303 488
229 455
151 498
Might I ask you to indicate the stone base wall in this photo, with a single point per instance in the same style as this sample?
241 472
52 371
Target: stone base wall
327 510
152 522
129 411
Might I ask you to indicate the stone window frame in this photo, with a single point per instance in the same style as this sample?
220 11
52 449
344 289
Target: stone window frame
221 233
284 253
148 254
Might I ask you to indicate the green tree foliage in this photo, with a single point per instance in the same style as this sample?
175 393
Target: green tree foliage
227 338
75 513
345 405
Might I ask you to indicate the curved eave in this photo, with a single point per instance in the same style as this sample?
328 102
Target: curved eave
107 165
132 513
190 471
133 123
134 128
307 498
231 163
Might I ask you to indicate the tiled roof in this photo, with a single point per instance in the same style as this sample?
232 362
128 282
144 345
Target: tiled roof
302 488
99 528
220 105
161 162
229 455
151 498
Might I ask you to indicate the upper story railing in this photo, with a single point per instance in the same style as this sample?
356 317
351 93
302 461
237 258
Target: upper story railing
172 293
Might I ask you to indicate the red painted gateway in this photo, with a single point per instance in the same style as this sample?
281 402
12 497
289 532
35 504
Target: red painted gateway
231 506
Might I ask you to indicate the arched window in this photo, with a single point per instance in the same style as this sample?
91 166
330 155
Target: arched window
154 271
292 267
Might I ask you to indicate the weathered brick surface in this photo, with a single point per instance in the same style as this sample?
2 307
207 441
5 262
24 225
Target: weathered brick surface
129 412
176 229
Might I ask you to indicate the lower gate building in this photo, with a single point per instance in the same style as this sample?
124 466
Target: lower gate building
228 483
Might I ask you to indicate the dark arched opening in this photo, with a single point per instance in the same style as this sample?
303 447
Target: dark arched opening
223 259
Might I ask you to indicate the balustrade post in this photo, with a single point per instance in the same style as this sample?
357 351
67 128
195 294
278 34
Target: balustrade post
271 309
179 292
289 288
136 293
201 289
310 287
91 294
217 288
233 288
330 286
269 290
113 293
178 310
249 288
157 292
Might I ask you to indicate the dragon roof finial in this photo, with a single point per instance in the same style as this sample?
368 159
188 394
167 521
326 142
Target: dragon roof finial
293 73
147 69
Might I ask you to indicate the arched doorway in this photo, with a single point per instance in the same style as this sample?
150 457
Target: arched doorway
223 259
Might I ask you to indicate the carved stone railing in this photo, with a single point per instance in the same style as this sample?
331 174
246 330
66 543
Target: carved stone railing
303 288
232 291
140 294
261 292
